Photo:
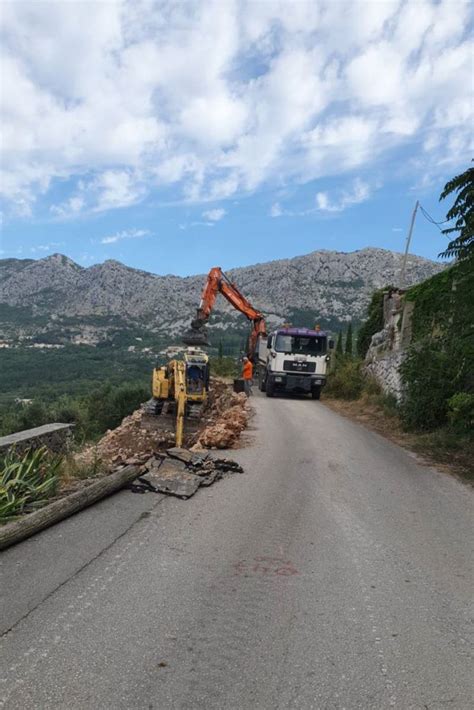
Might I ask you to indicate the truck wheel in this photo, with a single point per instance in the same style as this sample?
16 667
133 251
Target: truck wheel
269 388
261 382
316 393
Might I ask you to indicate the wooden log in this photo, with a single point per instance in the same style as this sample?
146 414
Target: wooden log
52 513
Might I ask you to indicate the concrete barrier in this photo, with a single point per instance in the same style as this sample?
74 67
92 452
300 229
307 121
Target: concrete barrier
56 437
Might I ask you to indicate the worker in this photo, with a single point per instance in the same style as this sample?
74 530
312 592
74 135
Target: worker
195 380
247 374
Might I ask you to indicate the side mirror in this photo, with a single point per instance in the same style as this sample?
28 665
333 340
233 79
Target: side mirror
331 345
269 341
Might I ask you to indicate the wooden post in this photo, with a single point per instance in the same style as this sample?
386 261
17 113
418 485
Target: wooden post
32 523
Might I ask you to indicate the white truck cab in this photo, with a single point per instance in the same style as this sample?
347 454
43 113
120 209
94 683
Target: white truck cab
293 360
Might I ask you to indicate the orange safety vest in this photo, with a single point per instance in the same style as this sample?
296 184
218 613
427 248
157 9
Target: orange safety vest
247 371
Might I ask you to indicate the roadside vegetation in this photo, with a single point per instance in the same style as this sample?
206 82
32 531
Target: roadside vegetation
27 481
78 386
224 366
435 415
103 408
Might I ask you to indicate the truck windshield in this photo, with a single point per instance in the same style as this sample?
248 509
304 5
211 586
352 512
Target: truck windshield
301 344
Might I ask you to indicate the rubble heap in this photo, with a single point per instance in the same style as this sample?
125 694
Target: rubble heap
129 443
232 418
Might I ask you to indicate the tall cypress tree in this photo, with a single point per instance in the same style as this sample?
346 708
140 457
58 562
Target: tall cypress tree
220 353
349 340
339 343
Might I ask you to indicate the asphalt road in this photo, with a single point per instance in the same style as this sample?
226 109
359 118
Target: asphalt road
334 573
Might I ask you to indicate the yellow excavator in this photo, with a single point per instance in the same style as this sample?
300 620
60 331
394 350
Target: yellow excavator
180 387
179 391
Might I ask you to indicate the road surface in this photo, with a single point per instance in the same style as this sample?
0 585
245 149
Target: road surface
334 573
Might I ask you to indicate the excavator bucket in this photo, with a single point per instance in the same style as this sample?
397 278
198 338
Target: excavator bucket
196 337
197 334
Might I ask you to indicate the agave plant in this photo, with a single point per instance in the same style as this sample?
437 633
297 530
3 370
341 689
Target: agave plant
26 481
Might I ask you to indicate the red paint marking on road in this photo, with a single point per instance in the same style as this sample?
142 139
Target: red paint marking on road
265 566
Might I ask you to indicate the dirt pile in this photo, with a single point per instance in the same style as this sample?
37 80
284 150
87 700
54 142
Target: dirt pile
229 417
140 436
129 443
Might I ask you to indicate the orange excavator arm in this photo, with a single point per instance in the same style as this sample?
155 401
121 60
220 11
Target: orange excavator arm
217 282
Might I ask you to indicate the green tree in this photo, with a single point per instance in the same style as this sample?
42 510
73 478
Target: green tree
33 415
220 354
462 211
349 340
339 344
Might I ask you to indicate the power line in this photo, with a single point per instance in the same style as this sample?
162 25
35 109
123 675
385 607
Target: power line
428 217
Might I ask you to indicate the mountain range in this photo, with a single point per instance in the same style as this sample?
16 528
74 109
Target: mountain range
55 300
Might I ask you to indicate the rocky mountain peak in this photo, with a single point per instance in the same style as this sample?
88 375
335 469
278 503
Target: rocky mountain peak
334 287
60 260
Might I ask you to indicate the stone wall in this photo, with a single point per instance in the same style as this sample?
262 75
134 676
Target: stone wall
56 437
388 347
386 370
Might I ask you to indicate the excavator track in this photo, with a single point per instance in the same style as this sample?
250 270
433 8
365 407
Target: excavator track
194 411
159 415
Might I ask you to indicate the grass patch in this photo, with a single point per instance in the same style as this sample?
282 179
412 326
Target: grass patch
449 447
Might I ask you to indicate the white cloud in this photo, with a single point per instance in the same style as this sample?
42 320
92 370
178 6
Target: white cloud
359 192
276 210
125 234
116 188
69 208
221 98
214 215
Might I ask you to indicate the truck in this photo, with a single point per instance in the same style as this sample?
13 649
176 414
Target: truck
287 360
293 360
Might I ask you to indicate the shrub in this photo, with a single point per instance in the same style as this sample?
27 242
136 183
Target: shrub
371 386
461 411
224 367
26 481
347 380
429 383
389 404
373 324
107 406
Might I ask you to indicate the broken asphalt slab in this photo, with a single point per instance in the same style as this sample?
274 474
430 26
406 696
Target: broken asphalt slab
182 472
169 479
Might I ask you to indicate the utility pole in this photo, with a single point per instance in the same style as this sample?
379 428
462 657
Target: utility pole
410 232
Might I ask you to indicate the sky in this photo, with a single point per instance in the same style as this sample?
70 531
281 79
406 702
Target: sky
177 136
